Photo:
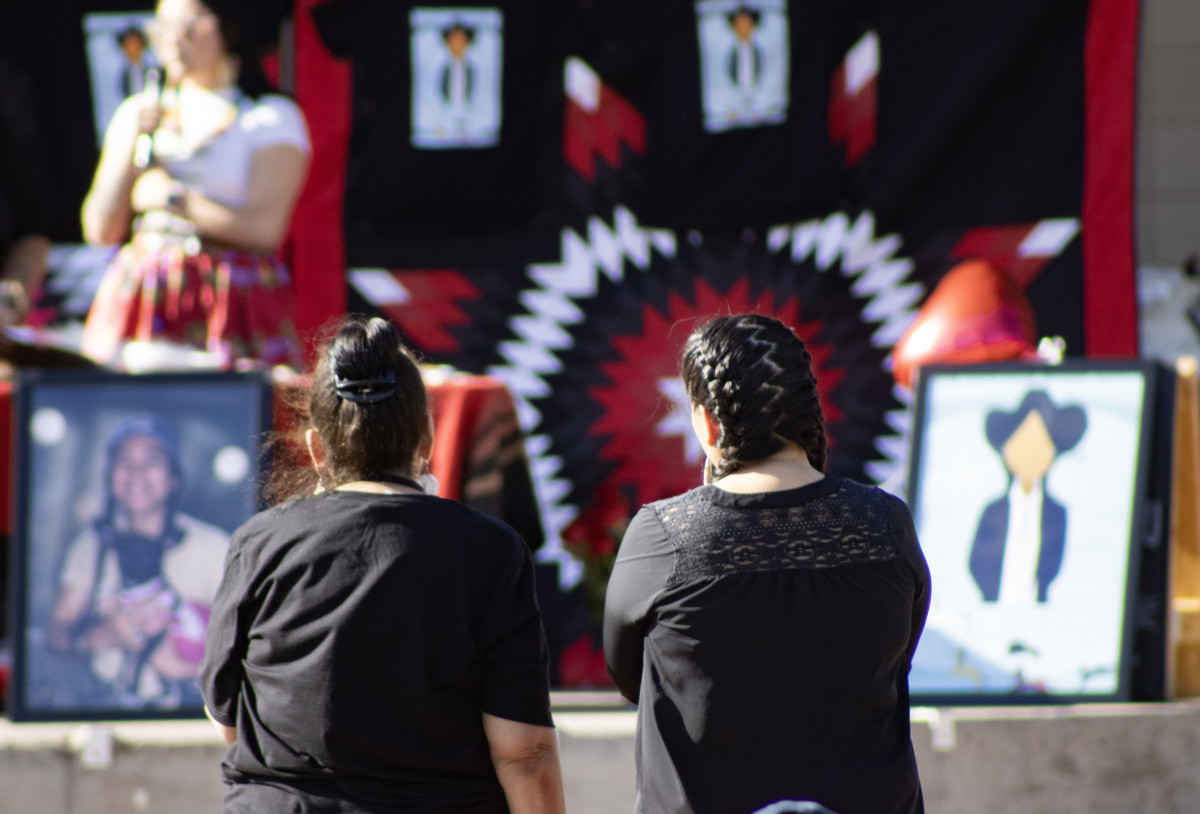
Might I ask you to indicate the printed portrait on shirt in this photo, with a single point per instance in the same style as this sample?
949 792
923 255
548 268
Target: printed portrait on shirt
119 55
135 47
456 76
744 62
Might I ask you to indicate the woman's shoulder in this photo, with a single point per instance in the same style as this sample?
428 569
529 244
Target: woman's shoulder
298 506
275 104
202 532
693 495
462 531
273 518
315 513
871 500
87 540
486 526
275 118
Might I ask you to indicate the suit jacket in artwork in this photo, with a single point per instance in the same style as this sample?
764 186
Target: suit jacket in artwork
987 552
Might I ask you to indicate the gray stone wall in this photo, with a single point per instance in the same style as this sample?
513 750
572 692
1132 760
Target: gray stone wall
1102 759
1168 133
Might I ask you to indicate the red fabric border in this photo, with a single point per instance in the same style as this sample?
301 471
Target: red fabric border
1109 285
319 250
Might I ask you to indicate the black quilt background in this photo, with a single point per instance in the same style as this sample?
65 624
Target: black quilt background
647 223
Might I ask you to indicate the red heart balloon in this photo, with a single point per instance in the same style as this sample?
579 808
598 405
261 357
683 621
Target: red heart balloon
977 313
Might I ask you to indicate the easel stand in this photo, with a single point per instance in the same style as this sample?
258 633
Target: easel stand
1183 652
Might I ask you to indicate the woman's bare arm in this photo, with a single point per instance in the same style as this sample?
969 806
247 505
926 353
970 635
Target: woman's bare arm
526 761
227 733
107 211
276 176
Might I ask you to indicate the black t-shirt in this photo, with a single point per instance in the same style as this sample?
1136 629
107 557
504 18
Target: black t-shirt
455 110
767 640
354 643
736 130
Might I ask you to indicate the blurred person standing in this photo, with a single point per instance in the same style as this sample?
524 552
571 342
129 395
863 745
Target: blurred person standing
24 213
765 622
199 173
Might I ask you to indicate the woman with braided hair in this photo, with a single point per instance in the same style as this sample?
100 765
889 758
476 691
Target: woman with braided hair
765 621
373 647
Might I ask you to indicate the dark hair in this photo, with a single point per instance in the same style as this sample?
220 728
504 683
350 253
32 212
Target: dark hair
754 14
249 28
132 31
755 376
469 33
368 401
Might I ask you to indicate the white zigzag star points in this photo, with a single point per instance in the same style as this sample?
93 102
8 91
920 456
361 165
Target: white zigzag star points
622 247
611 250
679 420
878 274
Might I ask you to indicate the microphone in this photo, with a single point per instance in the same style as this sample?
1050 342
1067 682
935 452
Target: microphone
143 148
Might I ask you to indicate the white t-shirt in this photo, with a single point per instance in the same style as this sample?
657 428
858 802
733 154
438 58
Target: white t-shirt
220 167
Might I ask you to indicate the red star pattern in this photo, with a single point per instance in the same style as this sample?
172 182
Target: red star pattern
633 404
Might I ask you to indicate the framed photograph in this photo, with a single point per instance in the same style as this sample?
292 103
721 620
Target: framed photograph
126 491
1028 484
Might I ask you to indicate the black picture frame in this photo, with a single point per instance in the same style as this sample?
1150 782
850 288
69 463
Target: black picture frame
1058 613
77 480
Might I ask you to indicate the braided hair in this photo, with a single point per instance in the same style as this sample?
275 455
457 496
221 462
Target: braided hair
368 402
754 375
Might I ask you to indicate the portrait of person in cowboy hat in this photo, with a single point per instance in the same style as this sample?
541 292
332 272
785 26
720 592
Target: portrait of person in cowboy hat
1021 537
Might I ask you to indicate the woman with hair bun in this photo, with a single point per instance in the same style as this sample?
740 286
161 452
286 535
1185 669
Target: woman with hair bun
765 621
374 647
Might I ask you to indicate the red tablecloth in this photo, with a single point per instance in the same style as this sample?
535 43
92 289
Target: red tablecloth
479 452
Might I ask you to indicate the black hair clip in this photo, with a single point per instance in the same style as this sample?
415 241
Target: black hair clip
365 391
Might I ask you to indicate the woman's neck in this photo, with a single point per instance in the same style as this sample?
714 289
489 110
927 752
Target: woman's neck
191 84
149 524
213 79
787 469
398 484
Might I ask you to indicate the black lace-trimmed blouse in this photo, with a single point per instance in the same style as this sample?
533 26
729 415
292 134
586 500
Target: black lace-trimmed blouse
767 640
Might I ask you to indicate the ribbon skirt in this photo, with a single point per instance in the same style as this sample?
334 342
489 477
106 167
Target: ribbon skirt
230 302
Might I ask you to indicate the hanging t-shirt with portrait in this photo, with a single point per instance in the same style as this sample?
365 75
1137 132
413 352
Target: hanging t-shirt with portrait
453 115
456 73
744 61
735 94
